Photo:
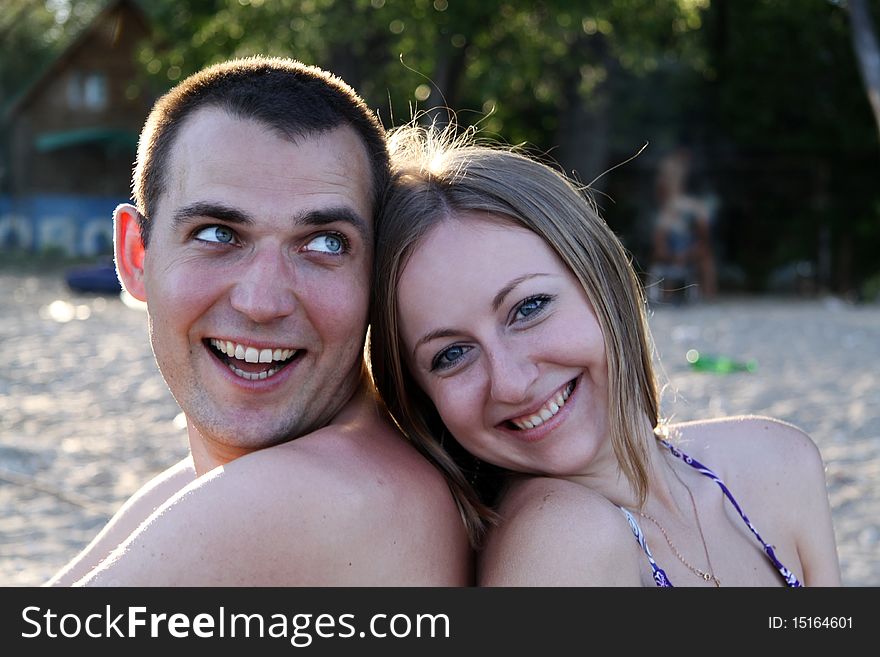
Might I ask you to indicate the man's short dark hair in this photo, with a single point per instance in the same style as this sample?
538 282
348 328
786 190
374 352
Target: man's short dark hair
289 97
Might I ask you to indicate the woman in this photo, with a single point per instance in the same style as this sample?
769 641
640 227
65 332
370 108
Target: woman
508 324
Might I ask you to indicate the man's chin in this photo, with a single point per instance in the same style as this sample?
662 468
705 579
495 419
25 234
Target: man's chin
239 438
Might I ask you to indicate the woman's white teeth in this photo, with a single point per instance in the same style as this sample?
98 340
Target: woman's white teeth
251 354
547 411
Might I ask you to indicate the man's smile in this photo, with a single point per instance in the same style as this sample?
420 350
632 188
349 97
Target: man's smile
249 362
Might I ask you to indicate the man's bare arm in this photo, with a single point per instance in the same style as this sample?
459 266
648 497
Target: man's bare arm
125 521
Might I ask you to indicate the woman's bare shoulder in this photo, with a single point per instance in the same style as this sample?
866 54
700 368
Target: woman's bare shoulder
761 458
777 472
537 495
755 442
555 532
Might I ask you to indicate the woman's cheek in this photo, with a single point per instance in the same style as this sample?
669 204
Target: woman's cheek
459 408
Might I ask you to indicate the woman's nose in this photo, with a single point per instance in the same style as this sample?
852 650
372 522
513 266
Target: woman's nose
512 375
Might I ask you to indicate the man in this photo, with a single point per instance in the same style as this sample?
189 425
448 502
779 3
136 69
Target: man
251 243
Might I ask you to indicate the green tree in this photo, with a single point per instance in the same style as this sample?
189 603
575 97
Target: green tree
534 66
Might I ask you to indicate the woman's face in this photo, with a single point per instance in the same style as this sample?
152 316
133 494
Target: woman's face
500 335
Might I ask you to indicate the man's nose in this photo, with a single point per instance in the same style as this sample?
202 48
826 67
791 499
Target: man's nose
511 375
264 289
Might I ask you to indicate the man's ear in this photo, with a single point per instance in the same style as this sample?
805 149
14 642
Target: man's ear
129 248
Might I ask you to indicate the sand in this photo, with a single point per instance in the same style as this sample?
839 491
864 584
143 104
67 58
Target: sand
85 417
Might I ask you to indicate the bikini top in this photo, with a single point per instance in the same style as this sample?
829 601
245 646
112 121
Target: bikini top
660 577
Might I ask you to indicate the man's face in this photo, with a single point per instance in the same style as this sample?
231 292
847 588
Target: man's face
257 276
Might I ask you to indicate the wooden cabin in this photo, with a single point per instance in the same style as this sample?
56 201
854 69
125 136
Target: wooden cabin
72 137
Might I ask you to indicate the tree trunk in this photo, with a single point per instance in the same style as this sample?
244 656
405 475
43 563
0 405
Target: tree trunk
584 123
444 86
864 41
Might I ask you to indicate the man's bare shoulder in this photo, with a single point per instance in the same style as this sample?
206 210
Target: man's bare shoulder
555 532
367 459
352 504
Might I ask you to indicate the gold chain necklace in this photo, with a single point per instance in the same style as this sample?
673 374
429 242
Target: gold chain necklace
696 571
700 529
702 574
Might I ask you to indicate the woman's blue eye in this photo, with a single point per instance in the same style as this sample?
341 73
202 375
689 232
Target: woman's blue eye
327 243
449 357
531 307
219 234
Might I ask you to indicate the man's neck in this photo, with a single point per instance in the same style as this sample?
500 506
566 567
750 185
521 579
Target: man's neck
208 453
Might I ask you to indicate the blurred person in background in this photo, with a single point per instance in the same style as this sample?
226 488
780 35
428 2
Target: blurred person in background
682 251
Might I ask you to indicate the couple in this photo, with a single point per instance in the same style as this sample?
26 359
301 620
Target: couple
508 344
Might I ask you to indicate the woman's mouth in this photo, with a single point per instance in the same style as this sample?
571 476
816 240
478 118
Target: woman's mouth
550 408
249 362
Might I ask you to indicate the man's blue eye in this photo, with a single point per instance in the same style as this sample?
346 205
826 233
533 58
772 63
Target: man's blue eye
327 243
219 234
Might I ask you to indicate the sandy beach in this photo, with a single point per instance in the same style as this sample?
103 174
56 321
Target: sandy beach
85 417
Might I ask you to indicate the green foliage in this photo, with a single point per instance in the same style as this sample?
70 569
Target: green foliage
513 57
32 33
871 288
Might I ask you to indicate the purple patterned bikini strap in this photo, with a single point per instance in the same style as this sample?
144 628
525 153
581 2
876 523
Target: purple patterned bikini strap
659 575
787 575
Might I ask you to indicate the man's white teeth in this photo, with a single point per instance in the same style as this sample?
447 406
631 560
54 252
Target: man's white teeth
547 411
254 376
251 354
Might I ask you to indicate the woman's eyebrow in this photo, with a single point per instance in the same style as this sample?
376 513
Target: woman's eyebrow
433 335
507 289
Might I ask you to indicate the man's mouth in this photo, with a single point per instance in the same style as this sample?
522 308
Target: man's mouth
249 362
550 408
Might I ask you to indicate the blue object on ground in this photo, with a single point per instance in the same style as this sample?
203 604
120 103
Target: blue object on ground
99 278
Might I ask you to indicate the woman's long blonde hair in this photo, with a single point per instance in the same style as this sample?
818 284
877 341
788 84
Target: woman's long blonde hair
435 176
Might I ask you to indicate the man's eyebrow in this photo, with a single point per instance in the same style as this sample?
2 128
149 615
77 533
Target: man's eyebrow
343 214
233 215
225 213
